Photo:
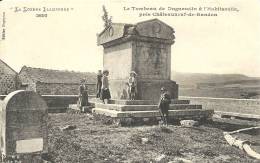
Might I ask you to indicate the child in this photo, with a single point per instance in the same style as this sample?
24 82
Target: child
164 105
105 93
132 83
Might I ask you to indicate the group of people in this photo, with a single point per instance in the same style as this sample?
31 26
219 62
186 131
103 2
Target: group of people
102 89
103 93
103 86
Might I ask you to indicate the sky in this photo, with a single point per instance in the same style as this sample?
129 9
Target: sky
228 43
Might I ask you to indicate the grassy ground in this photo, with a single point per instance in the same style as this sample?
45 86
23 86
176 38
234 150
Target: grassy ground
97 140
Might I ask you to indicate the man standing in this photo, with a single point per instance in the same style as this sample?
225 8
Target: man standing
99 83
164 105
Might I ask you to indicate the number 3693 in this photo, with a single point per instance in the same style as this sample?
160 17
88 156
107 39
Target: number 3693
41 15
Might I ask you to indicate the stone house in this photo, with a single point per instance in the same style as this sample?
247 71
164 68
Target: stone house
54 82
8 79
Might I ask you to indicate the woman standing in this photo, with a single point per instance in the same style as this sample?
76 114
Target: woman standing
105 93
83 94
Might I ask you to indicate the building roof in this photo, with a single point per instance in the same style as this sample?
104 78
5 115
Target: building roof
56 76
2 63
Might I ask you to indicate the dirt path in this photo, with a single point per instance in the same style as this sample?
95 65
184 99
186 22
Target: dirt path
96 140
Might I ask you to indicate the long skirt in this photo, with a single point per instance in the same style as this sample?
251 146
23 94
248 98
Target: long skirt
98 89
105 94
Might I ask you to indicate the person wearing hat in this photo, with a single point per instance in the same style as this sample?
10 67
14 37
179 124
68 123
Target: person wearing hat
164 105
105 93
83 94
132 83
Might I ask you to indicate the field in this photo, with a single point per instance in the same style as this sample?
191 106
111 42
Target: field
217 85
96 139
243 106
240 92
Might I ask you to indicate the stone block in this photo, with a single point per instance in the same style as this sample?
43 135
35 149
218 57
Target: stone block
144 107
23 124
189 123
179 114
131 102
137 102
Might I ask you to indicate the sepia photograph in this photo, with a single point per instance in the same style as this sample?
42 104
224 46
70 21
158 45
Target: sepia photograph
130 81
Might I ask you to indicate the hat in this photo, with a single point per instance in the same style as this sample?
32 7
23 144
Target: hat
83 80
163 89
133 72
105 71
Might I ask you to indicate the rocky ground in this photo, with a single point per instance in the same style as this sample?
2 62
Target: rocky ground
96 139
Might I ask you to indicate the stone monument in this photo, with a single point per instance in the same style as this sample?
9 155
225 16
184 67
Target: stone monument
23 125
145 48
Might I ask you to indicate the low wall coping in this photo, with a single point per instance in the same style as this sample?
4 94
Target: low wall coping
214 98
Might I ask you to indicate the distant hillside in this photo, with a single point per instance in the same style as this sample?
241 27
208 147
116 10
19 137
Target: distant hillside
217 85
191 79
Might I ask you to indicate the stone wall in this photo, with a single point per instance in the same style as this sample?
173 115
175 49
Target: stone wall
57 103
27 83
246 106
62 88
8 83
58 88
8 79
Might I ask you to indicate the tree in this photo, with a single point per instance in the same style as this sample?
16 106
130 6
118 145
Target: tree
107 21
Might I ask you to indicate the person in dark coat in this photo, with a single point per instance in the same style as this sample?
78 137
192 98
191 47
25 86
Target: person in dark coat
164 105
99 83
83 94
105 93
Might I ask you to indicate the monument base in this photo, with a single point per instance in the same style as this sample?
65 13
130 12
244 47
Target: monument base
141 109
147 90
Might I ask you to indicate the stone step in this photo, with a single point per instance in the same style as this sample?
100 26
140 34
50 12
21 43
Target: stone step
177 101
179 114
75 107
145 107
139 102
131 102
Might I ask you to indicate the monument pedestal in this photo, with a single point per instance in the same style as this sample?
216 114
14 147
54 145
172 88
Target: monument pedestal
142 109
146 90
